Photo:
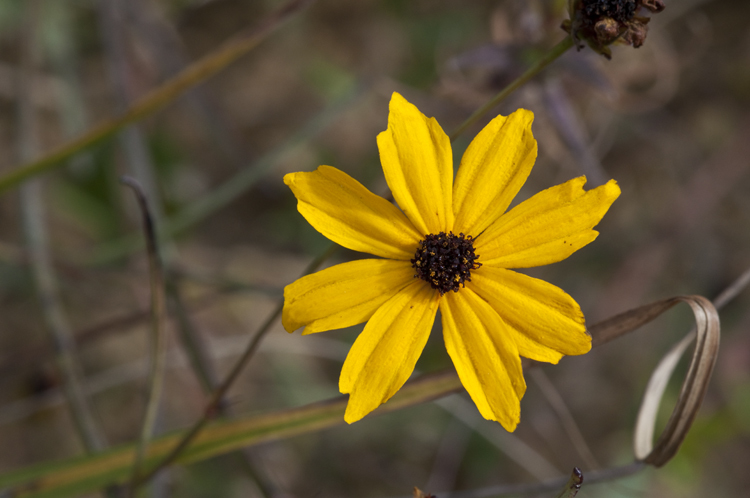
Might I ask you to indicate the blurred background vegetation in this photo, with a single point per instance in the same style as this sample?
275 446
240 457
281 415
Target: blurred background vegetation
669 121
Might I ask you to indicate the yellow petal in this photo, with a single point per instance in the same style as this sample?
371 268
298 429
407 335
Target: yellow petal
383 356
485 356
342 209
493 169
546 322
343 295
547 228
418 166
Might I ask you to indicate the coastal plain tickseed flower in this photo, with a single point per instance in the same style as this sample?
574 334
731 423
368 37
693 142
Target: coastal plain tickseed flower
451 247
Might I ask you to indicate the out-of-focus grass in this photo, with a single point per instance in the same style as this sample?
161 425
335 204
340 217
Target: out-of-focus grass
669 121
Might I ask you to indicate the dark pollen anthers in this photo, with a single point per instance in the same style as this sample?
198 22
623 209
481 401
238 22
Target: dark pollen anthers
445 261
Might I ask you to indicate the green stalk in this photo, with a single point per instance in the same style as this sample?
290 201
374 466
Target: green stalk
77 476
535 69
159 97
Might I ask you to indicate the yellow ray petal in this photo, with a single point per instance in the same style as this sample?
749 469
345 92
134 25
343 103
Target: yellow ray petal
546 322
493 169
383 356
342 209
418 165
485 356
343 295
547 228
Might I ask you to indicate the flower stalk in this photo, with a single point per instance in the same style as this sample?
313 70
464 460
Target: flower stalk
548 58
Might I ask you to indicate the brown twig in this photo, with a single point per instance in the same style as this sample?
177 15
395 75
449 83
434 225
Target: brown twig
215 401
158 336
573 486
32 209
549 486
553 397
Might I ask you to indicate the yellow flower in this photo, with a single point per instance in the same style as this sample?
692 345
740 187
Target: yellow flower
449 247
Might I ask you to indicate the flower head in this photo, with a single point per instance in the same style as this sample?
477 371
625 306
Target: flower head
452 246
602 22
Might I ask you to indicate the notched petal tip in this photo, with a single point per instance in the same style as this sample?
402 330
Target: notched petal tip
548 227
525 116
611 189
509 424
289 179
509 417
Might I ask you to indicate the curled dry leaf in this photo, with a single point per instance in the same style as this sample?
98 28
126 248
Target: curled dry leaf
694 386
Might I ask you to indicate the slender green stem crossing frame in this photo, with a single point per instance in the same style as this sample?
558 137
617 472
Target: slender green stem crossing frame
159 97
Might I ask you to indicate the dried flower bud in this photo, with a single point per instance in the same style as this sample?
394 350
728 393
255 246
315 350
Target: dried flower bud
603 22
607 30
636 33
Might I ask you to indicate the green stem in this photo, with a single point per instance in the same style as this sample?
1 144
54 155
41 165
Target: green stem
200 209
159 97
545 61
571 488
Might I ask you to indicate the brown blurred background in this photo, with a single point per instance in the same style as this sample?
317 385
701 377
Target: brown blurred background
669 121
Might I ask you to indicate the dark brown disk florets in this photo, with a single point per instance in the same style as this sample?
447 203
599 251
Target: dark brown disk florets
445 261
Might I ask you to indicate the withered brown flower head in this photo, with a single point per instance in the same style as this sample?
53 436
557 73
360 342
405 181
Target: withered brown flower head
603 22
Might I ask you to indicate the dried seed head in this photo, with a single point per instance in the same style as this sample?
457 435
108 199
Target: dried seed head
602 22
636 33
607 30
619 10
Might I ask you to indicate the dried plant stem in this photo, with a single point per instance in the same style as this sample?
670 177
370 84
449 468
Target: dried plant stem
566 418
219 393
728 294
162 38
54 316
22 359
215 401
159 97
550 486
158 337
200 209
190 338
543 62
571 488
35 233
131 137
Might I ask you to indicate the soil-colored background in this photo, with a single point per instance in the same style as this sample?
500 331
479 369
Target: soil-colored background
669 121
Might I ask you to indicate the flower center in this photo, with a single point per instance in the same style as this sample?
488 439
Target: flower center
445 261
